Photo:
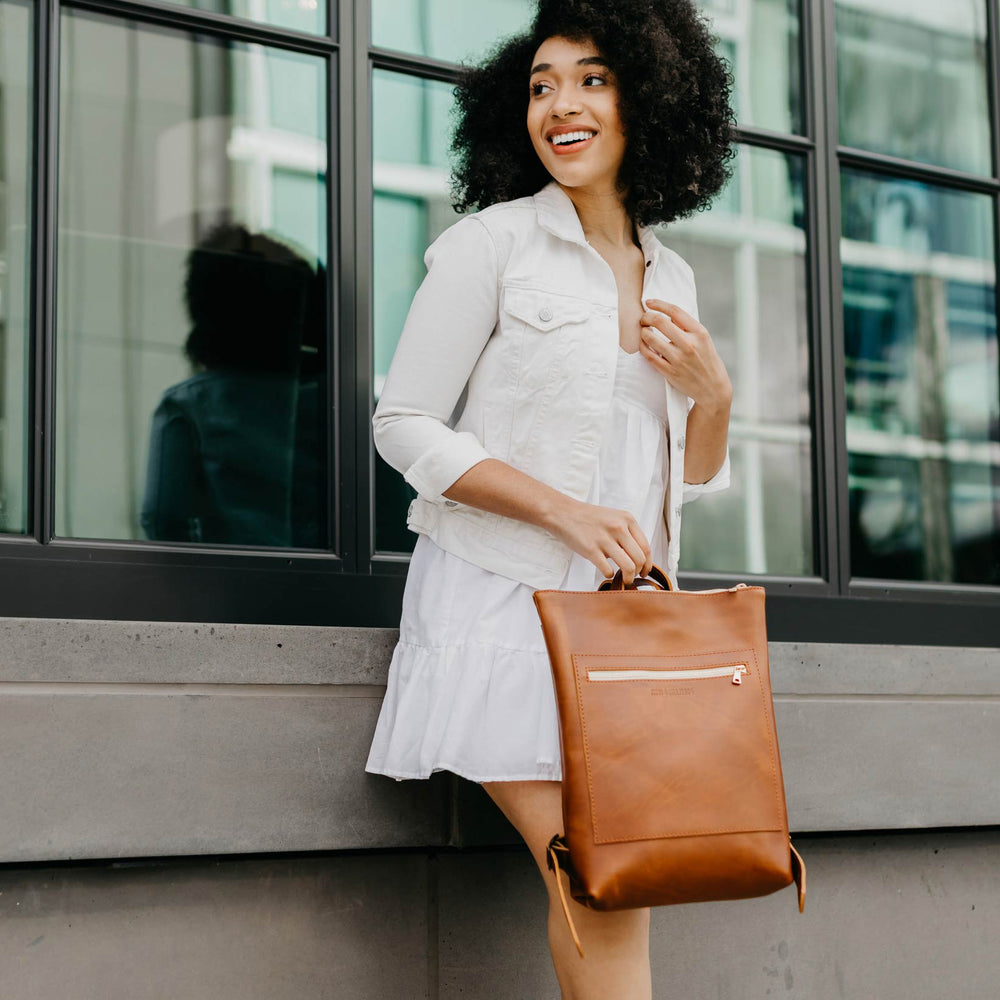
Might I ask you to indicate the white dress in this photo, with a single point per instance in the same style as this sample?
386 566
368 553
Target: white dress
470 687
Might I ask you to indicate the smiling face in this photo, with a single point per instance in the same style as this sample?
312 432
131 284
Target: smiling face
573 97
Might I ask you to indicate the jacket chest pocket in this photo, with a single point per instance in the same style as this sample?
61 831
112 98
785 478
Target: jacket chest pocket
544 324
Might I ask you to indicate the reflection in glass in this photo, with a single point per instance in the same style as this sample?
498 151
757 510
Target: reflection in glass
911 80
16 45
411 207
234 456
749 256
190 355
452 30
760 41
923 400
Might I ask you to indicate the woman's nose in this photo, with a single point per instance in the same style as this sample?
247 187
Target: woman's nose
566 103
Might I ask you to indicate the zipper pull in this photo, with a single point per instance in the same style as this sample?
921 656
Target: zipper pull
738 671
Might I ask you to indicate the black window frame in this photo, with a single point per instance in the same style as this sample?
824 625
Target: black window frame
351 583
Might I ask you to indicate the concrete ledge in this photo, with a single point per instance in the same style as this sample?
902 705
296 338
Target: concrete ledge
143 772
59 650
143 739
62 650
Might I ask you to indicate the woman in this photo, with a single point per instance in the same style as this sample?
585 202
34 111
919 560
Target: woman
553 400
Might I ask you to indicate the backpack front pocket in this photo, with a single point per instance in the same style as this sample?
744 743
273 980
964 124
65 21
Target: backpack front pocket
660 715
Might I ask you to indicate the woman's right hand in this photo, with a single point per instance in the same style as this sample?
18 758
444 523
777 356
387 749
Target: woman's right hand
608 537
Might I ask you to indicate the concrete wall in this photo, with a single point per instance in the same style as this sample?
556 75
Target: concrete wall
169 744
890 917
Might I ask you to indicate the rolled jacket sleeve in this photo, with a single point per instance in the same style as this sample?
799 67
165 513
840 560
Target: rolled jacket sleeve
452 316
719 481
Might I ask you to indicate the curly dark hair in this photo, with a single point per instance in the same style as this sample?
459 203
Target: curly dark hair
252 299
674 105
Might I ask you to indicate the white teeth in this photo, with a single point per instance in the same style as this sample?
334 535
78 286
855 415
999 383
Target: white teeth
558 140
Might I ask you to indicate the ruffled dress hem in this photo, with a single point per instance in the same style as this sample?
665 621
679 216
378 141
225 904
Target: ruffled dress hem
552 774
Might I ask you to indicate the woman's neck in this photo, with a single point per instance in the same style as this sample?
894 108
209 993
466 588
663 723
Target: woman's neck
603 217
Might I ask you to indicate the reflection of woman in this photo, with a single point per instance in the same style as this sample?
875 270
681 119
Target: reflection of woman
551 424
234 453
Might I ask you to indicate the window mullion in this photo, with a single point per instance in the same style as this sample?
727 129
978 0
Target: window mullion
361 193
43 228
836 526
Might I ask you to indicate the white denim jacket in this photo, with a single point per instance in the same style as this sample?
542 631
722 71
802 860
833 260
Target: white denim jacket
509 351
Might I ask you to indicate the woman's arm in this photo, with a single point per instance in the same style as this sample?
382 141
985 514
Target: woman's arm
450 320
706 440
604 535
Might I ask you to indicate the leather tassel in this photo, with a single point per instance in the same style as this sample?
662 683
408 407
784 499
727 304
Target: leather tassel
557 844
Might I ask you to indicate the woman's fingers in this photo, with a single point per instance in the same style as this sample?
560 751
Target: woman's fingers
638 550
655 345
682 350
626 564
604 564
610 538
631 551
677 316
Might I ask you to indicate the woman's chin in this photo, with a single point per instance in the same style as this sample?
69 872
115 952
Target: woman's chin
578 176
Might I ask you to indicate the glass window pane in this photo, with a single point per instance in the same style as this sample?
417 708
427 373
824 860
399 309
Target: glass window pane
297 15
411 207
191 345
447 29
923 400
911 80
760 41
749 256
16 43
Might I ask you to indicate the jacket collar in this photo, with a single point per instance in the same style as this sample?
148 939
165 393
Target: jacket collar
557 214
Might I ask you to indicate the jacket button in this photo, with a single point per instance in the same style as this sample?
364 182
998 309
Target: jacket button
545 314
451 503
677 512
680 443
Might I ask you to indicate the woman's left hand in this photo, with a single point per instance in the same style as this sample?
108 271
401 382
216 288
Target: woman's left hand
681 349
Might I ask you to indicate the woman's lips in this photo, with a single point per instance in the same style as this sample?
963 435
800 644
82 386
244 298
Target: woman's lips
572 147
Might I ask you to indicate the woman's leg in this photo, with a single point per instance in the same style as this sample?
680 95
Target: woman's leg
616 943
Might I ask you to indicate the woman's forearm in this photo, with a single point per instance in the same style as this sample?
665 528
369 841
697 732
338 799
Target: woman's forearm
499 488
608 537
706 439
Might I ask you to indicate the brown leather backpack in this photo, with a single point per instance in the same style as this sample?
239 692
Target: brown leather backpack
671 779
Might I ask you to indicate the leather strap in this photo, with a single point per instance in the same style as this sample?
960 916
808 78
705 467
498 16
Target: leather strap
556 847
799 874
656 577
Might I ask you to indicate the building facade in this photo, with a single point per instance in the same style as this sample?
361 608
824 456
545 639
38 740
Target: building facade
213 222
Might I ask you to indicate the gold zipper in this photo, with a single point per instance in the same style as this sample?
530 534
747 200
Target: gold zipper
693 674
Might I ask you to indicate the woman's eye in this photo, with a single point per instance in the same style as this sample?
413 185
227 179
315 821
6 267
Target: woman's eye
536 88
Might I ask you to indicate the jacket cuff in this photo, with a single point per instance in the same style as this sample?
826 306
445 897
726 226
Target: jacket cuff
719 481
440 467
